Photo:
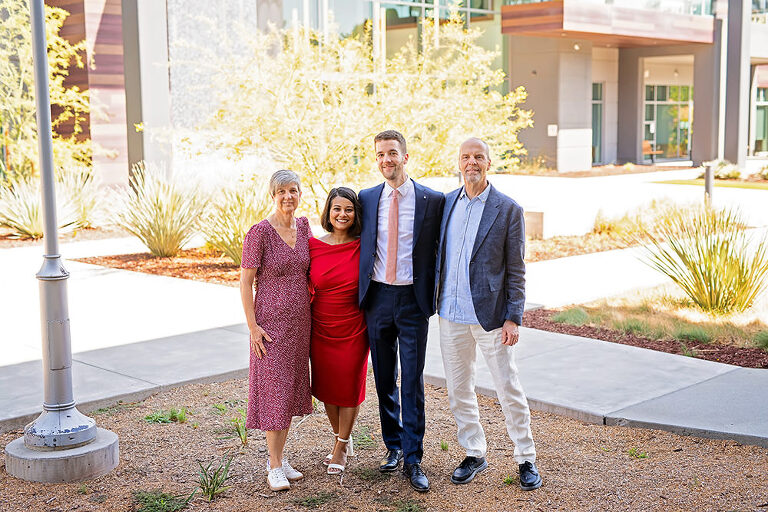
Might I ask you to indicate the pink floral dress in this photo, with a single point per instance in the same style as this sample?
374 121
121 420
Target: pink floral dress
279 382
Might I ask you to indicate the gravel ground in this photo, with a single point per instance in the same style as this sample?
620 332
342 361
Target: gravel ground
584 466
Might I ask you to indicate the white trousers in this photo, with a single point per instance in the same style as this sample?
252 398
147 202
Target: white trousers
458 344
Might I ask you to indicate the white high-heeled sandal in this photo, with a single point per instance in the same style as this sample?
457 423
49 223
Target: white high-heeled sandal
329 457
339 468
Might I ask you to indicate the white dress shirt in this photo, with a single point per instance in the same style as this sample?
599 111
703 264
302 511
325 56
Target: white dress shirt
405 218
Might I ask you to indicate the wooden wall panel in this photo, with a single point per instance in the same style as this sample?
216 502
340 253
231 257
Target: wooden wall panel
605 25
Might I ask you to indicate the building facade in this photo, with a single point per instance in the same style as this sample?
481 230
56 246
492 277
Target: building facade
609 81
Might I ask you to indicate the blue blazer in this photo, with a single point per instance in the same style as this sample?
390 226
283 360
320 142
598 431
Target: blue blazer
426 231
496 267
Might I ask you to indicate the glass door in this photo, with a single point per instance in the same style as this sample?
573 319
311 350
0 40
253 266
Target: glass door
597 123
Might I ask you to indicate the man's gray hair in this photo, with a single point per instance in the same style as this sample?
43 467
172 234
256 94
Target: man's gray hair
283 178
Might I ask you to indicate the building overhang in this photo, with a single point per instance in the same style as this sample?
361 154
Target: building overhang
606 25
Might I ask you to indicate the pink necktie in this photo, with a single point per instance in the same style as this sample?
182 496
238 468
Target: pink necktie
391 269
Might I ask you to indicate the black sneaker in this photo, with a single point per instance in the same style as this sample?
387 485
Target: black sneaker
467 470
529 476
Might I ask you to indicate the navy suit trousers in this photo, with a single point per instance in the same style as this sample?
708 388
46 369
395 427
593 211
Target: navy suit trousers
396 321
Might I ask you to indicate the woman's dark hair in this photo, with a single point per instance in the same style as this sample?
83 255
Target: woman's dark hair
347 193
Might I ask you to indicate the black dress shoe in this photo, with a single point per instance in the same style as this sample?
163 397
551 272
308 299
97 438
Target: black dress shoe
418 479
529 476
467 470
390 462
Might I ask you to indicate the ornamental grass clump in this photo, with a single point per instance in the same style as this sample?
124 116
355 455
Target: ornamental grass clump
21 209
712 256
229 219
161 211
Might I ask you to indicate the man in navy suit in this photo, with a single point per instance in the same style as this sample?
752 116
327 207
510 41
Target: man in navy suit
398 247
481 290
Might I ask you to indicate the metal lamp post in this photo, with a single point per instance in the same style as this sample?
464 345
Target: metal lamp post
62 444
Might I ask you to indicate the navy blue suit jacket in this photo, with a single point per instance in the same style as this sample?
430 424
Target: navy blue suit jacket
496 267
426 231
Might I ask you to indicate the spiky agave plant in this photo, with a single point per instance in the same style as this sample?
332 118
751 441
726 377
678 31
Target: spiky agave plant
21 209
719 264
162 212
235 210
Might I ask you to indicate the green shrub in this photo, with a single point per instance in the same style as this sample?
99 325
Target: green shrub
697 333
711 256
160 211
573 316
761 339
21 209
724 170
237 209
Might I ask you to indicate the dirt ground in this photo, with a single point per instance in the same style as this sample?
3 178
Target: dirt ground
584 466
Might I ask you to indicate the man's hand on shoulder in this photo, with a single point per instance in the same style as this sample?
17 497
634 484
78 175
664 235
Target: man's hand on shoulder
510 334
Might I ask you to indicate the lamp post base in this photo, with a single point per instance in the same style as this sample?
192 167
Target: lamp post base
92 460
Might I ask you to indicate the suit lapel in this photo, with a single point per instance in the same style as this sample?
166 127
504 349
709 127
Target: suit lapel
450 204
490 212
371 213
420 211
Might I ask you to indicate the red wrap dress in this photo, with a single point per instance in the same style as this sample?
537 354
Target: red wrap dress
339 347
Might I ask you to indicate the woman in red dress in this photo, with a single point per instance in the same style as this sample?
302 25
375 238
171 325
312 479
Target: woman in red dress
339 346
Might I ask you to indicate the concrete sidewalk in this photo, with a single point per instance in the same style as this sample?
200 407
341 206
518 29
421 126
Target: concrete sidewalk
590 380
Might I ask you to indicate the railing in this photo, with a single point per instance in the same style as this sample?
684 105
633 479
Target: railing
696 7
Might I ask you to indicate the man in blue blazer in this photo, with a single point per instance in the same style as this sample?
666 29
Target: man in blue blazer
481 295
398 247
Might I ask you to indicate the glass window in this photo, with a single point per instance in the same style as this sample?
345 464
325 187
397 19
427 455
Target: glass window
685 93
762 94
661 93
649 110
649 93
597 92
674 93
349 16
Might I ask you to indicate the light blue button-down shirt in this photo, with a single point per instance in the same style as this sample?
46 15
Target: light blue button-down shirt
455 295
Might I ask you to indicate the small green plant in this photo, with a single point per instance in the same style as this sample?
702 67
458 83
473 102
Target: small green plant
317 408
238 424
444 445
685 332
571 316
211 480
409 505
371 475
632 326
761 339
636 453
219 408
316 500
511 479
363 438
113 409
688 351
83 489
234 212
711 256
160 211
169 416
158 501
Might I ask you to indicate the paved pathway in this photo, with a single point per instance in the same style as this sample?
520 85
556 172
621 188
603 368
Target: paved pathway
135 334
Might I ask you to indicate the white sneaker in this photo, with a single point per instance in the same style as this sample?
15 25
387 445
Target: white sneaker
290 473
277 481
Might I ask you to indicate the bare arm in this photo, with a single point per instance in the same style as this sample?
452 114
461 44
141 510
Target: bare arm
247 287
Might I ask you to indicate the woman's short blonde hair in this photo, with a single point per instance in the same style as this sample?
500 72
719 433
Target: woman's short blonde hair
283 178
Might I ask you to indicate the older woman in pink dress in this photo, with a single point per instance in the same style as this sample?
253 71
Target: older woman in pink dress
276 263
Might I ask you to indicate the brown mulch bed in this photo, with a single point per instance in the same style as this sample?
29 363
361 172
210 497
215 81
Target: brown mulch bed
584 466
8 239
739 356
